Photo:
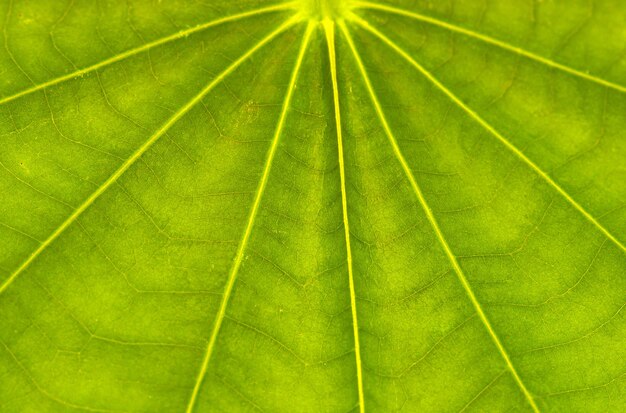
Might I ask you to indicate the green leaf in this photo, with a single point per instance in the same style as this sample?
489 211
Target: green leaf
314 206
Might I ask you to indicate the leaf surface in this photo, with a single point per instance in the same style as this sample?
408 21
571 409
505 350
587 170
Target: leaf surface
319 206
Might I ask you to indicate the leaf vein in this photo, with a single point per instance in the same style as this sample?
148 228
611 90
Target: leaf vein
329 28
139 152
250 223
137 50
433 221
475 116
490 40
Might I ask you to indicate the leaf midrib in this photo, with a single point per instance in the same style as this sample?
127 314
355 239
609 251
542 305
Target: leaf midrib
329 29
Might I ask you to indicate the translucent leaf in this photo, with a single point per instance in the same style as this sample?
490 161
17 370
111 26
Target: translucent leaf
313 206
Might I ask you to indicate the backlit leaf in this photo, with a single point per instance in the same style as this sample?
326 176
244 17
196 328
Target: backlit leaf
313 206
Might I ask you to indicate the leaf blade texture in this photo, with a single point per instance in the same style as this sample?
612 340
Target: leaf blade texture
312 206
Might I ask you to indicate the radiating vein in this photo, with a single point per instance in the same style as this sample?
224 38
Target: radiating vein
232 276
329 28
148 46
474 115
139 152
490 40
433 221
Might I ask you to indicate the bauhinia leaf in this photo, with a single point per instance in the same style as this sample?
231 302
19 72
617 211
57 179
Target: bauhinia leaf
313 206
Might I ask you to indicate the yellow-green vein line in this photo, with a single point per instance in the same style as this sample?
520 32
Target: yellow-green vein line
329 28
43 391
433 222
148 46
474 115
232 276
139 152
490 40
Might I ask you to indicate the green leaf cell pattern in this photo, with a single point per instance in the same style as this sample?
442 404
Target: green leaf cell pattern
313 206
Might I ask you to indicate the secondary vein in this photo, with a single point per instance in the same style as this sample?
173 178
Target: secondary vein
433 222
329 28
139 152
487 126
143 48
490 40
232 277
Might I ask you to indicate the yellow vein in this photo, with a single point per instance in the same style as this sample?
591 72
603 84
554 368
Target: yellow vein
250 224
433 221
148 46
139 152
329 28
490 129
490 40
